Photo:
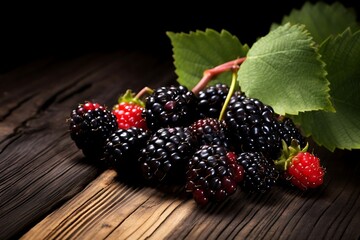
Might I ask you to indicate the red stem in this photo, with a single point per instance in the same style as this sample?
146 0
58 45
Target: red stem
210 73
143 91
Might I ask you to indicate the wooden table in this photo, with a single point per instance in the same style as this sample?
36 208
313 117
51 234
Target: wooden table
49 191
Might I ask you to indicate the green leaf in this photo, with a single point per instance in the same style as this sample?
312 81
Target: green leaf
284 70
322 19
198 51
341 129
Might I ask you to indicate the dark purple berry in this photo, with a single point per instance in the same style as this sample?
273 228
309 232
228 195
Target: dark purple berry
90 124
260 173
289 131
173 106
122 151
210 131
252 126
211 100
212 174
166 154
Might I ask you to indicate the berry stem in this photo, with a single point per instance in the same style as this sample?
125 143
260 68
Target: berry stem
235 69
209 74
130 97
143 91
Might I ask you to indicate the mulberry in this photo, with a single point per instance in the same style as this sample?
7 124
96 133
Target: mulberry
173 106
210 131
260 173
213 174
121 151
90 125
211 100
166 154
253 126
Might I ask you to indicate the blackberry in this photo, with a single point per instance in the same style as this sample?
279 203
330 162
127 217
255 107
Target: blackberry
210 131
289 131
260 173
253 126
90 125
166 154
211 100
122 151
172 106
213 174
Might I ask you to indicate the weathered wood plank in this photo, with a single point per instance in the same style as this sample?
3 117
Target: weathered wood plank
109 212
109 209
40 167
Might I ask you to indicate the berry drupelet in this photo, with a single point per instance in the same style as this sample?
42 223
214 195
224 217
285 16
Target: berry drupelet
166 154
90 124
211 100
213 174
128 111
289 131
299 167
260 173
122 151
210 131
129 115
170 106
305 171
253 126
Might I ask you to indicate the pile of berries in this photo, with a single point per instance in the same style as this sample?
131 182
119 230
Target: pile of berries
172 134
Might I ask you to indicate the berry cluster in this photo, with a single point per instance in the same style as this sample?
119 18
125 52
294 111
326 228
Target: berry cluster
175 134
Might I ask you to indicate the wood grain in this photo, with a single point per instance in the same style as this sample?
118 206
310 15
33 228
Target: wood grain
49 191
40 167
110 209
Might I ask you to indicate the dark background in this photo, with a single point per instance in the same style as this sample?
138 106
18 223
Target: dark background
31 31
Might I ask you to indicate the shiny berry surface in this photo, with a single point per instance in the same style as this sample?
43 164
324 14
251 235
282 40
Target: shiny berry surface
172 106
212 174
90 124
305 171
129 115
